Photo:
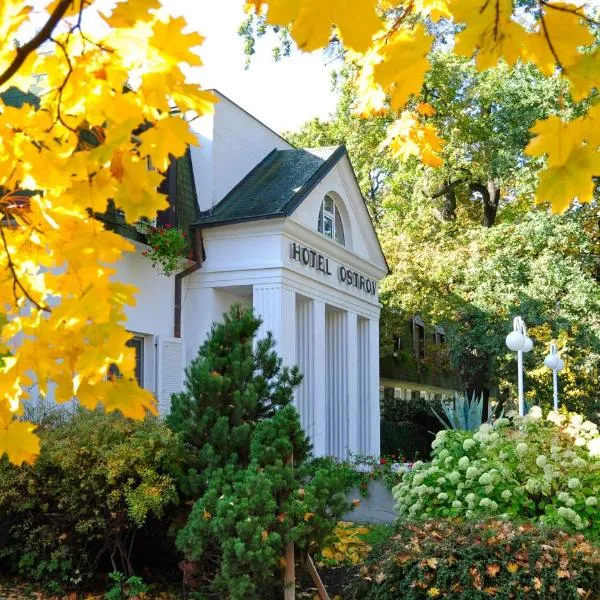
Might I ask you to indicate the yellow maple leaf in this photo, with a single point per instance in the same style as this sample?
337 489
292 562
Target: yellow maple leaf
562 184
583 74
19 442
173 45
401 64
558 37
489 30
168 136
311 21
555 138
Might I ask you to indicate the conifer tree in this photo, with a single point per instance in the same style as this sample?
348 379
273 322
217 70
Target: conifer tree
230 386
256 488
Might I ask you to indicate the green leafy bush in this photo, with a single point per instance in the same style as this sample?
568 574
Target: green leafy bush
256 488
99 479
546 470
454 560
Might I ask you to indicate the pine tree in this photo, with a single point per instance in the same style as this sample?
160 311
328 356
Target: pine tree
256 488
230 387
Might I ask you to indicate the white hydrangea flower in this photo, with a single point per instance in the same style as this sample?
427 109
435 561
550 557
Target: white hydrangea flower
456 504
442 496
484 479
472 472
488 489
594 447
506 495
589 426
563 496
573 483
463 462
521 448
580 442
449 460
533 485
535 412
453 477
417 464
469 514
468 444
418 479
579 463
591 501
443 454
555 449
501 422
540 461
555 417
576 420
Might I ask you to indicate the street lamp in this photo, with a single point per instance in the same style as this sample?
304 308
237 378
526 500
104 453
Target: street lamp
518 341
554 361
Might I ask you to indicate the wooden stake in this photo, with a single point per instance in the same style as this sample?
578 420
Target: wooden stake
312 571
289 579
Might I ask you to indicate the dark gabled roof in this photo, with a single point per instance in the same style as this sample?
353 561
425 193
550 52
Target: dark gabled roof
275 187
14 97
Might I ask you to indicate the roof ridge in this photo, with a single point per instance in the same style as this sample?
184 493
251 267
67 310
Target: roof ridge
207 213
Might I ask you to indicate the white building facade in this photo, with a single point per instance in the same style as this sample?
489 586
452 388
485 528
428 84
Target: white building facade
286 232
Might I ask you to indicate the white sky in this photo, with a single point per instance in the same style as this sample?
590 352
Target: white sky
283 94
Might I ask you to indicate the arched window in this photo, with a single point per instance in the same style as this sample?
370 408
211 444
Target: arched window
330 221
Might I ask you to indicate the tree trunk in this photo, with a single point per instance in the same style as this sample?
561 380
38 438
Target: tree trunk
490 195
449 207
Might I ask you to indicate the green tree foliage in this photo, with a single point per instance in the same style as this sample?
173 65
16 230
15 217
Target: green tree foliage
99 482
465 247
255 487
474 281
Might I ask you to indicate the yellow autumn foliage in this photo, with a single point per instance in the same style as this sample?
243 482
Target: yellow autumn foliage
391 53
62 316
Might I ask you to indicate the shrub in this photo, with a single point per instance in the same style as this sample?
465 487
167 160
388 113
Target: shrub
475 560
242 435
546 470
98 480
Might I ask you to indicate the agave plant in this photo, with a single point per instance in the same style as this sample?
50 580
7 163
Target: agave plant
463 414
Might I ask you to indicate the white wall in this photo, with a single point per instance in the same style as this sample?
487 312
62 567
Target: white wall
232 143
152 317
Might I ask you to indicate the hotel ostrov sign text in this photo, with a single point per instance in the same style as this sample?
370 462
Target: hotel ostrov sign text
315 260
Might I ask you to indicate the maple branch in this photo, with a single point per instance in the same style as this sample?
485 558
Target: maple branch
16 280
550 45
560 8
61 88
35 42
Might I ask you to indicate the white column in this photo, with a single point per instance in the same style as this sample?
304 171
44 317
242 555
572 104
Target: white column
276 305
351 383
364 388
373 386
319 380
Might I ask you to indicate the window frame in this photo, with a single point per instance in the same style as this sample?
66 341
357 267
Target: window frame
335 217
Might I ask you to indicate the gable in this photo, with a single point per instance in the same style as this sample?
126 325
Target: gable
340 183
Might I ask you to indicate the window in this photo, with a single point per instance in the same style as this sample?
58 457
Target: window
420 340
137 343
330 221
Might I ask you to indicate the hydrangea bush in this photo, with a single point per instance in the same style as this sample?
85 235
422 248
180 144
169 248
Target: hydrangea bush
546 470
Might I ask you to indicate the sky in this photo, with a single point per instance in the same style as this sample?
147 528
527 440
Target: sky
283 94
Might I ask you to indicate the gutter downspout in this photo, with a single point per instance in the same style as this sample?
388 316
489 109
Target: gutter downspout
199 257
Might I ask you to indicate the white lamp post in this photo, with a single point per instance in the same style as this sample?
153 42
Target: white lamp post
518 341
554 361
